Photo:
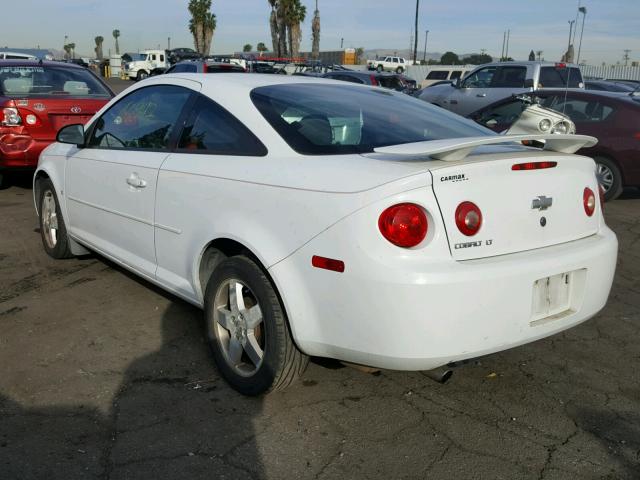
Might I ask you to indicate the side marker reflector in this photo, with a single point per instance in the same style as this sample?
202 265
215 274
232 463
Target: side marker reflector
327 263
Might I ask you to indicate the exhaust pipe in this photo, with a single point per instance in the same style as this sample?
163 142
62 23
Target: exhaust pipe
440 375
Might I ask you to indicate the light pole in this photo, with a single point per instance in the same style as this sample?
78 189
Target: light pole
571 22
582 10
415 40
426 37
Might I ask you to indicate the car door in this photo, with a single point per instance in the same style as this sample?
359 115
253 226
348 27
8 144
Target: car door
507 80
110 184
472 93
214 149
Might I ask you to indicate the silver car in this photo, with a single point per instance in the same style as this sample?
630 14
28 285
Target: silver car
494 81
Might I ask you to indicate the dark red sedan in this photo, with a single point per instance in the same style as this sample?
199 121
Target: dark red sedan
613 118
36 100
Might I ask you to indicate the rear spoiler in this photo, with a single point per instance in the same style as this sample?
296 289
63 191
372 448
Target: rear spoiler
458 148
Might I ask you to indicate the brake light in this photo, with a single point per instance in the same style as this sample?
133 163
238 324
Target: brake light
11 117
533 165
589 201
374 82
468 218
561 65
327 263
404 225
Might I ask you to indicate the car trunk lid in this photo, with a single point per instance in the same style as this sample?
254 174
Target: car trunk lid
521 209
51 114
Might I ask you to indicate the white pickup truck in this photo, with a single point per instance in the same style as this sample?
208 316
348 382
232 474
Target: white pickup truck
388 64
140 65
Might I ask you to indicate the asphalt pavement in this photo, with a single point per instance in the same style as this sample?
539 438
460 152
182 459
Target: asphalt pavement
105 376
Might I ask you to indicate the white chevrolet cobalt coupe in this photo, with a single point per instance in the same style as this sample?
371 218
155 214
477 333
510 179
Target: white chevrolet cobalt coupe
313 217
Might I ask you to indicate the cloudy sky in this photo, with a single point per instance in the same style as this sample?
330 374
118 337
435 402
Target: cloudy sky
462 26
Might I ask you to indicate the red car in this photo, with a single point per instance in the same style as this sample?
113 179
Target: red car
36 100
613 118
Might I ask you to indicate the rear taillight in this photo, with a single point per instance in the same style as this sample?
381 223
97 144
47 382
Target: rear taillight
468 218
404 225
374 82
11 117
533 165
589 201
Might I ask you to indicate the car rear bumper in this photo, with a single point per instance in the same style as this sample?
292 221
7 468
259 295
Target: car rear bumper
20 151
440 312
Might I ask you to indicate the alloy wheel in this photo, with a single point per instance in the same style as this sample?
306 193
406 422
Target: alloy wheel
239 327
605 177
50 219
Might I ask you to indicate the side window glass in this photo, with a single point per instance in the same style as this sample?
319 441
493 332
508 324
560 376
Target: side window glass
455 74
581 111
162 58
402 60
144 119
211 129
480 78
437 75
509 77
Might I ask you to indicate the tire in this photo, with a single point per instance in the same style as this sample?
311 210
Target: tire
253 349
3 181
53 230
609 177
379 68
399 70
142 74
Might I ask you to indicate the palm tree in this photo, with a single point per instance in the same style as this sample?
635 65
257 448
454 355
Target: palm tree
261 47
273 24
116 34
67 50
315 33
99 39
247 48
72 47
202 25
295 14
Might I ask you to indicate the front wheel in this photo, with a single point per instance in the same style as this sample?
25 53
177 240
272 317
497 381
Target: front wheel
380 68
609 177
399 70
52 227
141 75
248 331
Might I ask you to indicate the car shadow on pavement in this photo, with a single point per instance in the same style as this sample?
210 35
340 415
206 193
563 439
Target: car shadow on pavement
172 417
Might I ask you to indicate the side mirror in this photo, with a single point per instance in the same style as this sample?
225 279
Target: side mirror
73 134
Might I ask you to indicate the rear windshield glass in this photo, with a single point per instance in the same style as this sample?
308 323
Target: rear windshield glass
554 77
38 81
319 119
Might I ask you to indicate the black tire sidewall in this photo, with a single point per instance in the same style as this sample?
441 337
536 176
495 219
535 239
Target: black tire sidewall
616 188
380 68
245 270
399 70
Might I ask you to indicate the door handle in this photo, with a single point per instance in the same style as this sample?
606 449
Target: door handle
135 181
481 95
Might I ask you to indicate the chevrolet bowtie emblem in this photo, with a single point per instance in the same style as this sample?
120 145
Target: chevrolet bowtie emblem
542 202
